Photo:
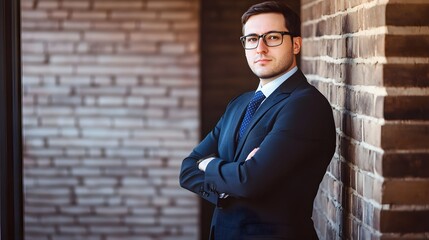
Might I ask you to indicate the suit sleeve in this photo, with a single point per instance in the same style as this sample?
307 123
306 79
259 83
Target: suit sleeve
303 135
191 178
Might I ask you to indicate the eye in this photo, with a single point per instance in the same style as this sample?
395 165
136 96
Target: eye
273 37
251 39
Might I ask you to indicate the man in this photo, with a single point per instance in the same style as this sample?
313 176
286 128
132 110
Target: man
262 169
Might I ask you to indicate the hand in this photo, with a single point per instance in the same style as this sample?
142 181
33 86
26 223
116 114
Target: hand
203 165
252 153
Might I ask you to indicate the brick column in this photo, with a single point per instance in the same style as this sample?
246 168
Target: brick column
110 110
370 59
405 134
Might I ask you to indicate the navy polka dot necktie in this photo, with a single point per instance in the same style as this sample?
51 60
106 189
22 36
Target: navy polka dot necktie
251 109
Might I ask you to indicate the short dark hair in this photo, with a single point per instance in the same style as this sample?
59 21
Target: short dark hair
293 23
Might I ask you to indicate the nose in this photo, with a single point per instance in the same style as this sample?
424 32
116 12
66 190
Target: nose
262 47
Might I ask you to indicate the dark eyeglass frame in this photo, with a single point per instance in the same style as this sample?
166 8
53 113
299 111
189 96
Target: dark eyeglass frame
243 38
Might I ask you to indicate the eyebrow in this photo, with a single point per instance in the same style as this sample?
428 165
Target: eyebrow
250 34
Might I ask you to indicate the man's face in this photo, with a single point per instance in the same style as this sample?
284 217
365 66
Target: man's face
266 62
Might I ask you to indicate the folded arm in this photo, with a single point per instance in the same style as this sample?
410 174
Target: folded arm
302 135
191 177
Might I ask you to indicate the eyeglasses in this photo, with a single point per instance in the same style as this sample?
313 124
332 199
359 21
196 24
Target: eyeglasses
271 39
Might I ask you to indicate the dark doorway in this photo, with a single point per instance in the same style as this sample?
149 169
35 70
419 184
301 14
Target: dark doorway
224 70
10 122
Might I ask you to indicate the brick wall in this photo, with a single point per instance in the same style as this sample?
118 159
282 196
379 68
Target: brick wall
111 100
110 95
370 59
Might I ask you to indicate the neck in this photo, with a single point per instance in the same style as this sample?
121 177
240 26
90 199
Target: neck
264 81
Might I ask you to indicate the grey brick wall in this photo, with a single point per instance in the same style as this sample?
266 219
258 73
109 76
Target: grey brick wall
110 106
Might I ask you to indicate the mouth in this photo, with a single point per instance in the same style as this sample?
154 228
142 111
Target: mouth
263 60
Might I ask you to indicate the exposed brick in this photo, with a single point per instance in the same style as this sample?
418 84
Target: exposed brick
47 69
133 15
152 37
56 219
163 102
50 36
104 36
60 47
33 59
406 75
405 136
141 220
58 14
27 4
75 4
162 5
33 15
52 201
128 4
47 4
110 230
399 191
397 221
33 47
415 14
100 162
379 135
76 230
176 15
111 210
88 15
403 165
114 26
178 211
76 25
49 90
111 101
174 49
149 91
47 192
150 26
36 230
407 46
406 108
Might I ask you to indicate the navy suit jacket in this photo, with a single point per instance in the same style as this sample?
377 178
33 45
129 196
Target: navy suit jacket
271 195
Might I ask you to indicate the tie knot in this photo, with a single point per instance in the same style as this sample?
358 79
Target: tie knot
258 97
251 109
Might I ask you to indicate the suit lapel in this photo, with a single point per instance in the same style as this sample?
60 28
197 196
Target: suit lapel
282 92
236 122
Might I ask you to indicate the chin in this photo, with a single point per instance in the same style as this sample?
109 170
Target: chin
267 75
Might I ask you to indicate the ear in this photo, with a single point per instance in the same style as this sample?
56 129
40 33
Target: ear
297 43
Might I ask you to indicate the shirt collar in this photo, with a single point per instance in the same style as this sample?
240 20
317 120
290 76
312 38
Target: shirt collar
270 87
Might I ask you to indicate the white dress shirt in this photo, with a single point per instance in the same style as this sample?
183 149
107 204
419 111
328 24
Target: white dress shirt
270 87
